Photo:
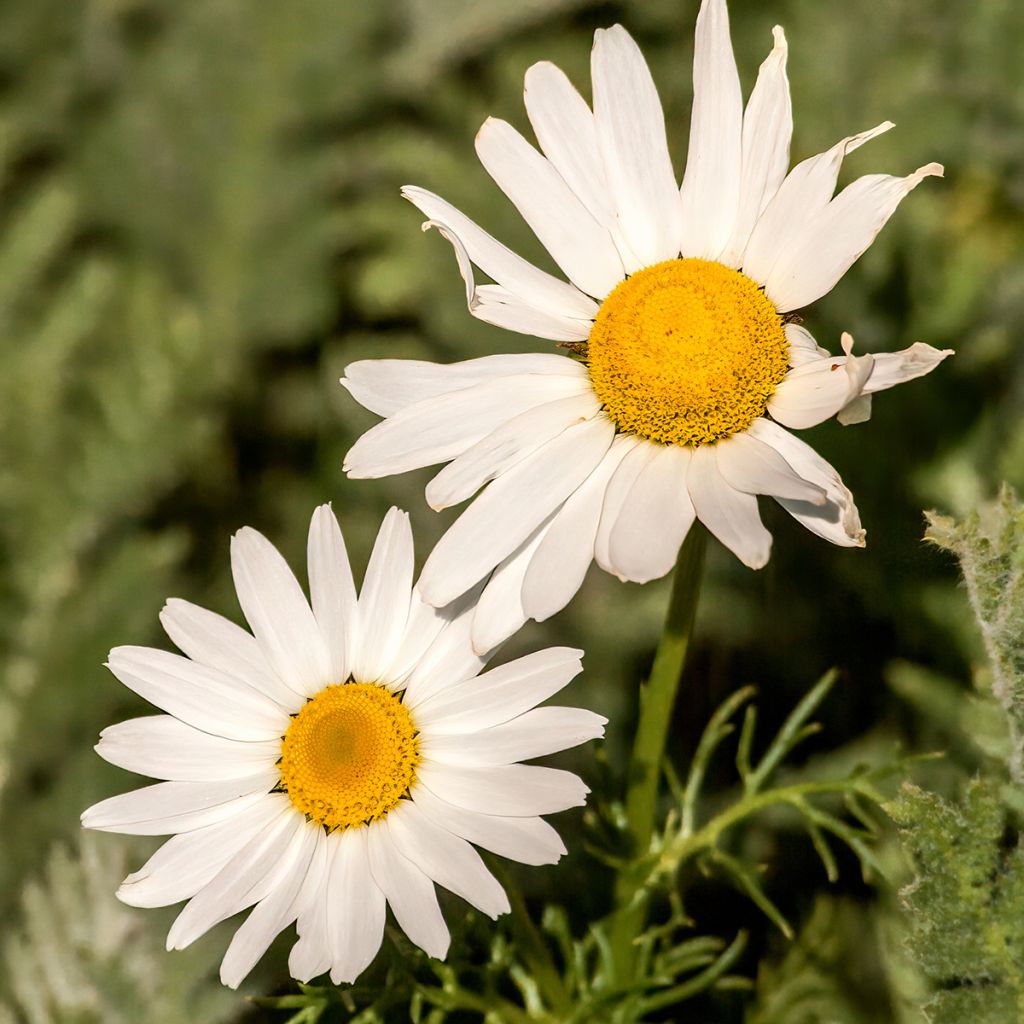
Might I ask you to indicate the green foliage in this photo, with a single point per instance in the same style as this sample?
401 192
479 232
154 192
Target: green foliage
139 282
818 977
685 840
200 226
551 975
79 957
989 545
966 900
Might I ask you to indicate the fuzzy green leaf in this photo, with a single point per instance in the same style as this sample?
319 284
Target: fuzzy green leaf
989 544
966 903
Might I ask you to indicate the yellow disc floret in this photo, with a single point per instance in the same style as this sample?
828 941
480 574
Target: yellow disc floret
686 352
349 755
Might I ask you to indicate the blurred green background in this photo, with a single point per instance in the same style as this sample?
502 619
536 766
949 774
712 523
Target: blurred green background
200 226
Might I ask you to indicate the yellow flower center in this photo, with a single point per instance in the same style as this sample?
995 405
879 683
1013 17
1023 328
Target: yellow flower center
686 352
349 755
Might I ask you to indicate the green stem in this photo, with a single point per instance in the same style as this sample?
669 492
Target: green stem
683 847
657 698
530 942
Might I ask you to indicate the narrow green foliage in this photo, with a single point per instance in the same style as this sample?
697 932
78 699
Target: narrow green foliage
970 723
559 977
686 839
816 978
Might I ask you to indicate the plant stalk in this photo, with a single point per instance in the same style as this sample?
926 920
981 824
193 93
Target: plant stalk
657 699
530 942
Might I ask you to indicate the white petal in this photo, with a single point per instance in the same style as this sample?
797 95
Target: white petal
445 859
332 591
203 697
557 570
654 518
632 463
170 807
892 368
529 840
451 657
829 243
278 613
535 287
710 192
242 882
500 612
511 508
564 126
533 734
356 907
753 467
515 790
802 346
495 304
498 695
838 520
767 132
190 860
425 625
217 642
311 955
274 912
836 524
409 892
818 389
631 137
164 748
806 191
576 241
729 514
385 386
384 598
508 444
440 429
857 411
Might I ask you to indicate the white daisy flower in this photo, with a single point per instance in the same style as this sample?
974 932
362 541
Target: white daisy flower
338 759
680 301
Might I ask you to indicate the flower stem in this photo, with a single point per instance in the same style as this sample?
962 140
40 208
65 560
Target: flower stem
657 697
530 942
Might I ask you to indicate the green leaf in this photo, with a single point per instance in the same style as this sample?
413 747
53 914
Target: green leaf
746 878
989 544
966 902
77 956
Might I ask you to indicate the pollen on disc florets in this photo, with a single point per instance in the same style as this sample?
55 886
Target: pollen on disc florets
349 755
686 352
